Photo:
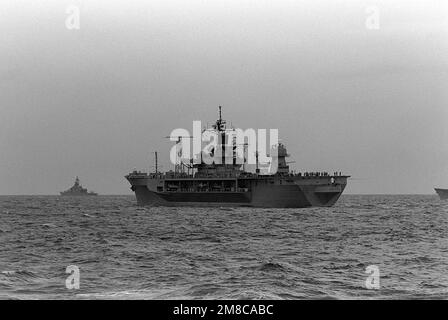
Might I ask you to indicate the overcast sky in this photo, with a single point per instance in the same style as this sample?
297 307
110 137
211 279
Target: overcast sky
96 102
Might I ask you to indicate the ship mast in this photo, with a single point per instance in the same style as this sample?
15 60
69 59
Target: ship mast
221 128
257 170
220 124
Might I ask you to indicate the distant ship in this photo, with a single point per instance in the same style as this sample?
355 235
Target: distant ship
443 193
226 184
77 190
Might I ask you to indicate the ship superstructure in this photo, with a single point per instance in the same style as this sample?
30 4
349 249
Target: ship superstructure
77 190
443 193
223 184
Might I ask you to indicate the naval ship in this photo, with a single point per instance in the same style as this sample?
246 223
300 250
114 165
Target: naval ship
443 193
77 190
230 185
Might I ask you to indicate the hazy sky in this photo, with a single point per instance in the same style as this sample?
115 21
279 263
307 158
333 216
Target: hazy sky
96 102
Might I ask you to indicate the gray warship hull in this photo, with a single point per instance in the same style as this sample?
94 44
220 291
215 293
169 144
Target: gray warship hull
75 194
443 193
226 183
261 191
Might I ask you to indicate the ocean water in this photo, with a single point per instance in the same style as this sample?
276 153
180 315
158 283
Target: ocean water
128 252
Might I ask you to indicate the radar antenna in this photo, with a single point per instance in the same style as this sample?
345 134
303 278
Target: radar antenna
220 123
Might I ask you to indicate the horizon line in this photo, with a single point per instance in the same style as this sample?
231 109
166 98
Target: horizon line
131 194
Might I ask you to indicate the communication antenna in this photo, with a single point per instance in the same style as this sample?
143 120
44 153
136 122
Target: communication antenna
179 139
257 170
256 161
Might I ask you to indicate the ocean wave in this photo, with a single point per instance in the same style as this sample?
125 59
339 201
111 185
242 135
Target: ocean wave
128 252
49 225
